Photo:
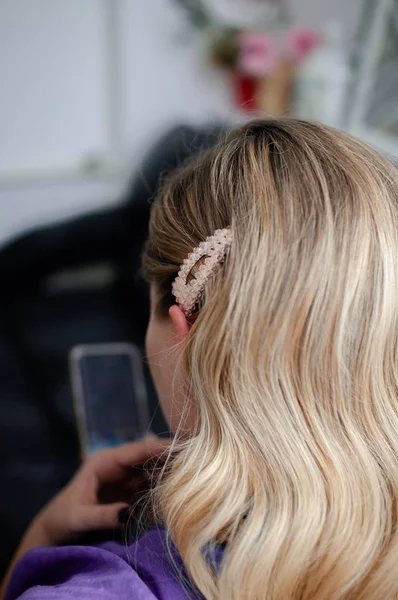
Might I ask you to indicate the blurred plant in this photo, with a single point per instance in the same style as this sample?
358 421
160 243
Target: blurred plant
251 48
197 13
235 13
225 47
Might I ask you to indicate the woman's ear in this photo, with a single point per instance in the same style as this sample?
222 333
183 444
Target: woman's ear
179 321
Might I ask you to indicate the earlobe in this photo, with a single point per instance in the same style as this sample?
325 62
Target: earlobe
179 321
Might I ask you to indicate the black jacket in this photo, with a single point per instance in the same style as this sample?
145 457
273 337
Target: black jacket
40 321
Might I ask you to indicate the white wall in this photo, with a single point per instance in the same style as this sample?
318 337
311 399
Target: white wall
166 81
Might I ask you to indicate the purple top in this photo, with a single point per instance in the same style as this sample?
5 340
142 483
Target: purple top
146 570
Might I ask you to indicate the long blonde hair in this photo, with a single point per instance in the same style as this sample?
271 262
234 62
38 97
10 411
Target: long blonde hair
292 363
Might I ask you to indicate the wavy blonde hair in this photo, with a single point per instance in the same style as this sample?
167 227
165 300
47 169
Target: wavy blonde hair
292 363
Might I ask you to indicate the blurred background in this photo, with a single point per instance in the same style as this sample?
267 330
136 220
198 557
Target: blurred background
99 100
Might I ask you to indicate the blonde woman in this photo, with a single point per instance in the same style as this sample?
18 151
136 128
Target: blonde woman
273 343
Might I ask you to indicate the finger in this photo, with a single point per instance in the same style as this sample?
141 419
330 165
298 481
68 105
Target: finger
131 454
111 465
136 453
102 516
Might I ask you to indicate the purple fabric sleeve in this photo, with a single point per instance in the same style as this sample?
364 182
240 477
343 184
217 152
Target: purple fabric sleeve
147 570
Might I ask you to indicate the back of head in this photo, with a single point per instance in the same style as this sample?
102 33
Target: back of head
292 363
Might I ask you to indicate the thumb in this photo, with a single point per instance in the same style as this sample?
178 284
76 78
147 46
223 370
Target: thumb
103 516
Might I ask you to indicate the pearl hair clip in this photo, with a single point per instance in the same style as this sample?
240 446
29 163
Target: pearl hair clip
215 249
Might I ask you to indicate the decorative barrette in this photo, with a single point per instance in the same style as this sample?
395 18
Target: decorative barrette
215 248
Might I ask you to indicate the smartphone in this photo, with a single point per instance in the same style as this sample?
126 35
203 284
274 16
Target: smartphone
109 394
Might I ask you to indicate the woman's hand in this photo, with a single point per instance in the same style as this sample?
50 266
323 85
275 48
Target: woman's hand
115 475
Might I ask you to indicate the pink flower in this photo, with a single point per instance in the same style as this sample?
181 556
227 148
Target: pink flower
258 53
301 42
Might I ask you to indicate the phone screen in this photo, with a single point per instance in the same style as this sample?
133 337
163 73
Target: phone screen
110 395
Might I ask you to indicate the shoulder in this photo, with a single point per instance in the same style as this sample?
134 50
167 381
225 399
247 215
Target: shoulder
147 570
